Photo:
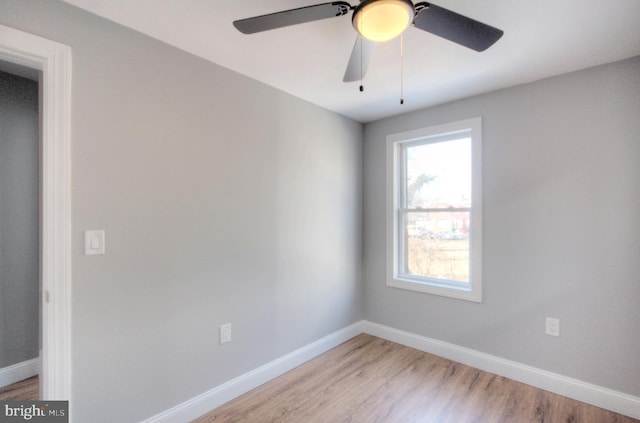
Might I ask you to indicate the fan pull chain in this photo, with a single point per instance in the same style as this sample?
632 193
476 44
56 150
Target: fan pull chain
361 77
401 68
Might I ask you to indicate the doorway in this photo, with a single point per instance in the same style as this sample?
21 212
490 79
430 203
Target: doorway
53 60
19 229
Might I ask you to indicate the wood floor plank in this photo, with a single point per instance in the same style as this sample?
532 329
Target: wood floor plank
28 390
369 380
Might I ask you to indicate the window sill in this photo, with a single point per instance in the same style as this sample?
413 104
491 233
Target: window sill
461 293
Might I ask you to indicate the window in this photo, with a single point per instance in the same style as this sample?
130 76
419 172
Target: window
434 218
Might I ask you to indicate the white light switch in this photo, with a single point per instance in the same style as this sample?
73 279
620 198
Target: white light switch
94 242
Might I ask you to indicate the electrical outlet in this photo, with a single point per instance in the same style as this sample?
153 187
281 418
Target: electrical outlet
552 326
225 333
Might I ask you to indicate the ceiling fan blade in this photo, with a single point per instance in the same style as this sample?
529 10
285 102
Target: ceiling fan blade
457 28
292 17
368 47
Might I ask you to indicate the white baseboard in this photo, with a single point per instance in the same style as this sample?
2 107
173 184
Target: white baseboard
572 388
219 395
17 372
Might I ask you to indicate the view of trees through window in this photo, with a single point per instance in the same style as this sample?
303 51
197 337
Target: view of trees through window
438 209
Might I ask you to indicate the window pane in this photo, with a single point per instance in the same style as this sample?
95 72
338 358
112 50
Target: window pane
439 175
437 245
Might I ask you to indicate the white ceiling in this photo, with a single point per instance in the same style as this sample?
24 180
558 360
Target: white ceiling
542 38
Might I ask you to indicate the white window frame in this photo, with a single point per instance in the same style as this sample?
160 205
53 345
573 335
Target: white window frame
439 133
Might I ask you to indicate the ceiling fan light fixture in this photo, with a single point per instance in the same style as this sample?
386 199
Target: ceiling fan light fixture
382 20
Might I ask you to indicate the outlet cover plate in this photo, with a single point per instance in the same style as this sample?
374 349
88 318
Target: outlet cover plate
225 333
552 326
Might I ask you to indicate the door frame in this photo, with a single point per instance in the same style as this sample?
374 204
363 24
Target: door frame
54 61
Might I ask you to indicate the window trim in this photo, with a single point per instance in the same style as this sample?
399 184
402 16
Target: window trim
439 133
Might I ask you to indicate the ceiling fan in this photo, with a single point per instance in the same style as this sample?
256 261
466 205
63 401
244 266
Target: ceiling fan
381 20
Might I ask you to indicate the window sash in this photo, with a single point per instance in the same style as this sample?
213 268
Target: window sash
404 254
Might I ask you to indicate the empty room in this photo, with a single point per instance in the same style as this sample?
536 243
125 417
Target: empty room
285 211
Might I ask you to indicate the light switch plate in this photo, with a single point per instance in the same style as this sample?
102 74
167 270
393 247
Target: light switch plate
94 242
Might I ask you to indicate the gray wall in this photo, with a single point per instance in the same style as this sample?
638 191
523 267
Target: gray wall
19 205
561 185
223 201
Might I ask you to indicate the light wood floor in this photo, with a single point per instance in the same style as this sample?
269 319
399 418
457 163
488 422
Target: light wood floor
369 380
27 389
